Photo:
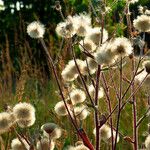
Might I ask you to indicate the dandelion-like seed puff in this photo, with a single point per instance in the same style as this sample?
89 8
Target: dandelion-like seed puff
26 123
82 24
51 130
70 72
6 121
60 109
77 96
66 29
94 34
144 76
142 23
36 30
24 113
105 132
81 112
104 54
122 46
87 45
92 91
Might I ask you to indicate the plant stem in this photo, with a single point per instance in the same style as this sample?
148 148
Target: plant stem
106 90
96 112
142 118
50 60
134 112
135 91
82 79
119 105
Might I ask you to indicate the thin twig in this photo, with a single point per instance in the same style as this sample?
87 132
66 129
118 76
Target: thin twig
96 112
119 104
142 118
134 111
106 90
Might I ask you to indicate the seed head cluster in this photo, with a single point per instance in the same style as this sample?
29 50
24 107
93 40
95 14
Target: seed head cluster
22 113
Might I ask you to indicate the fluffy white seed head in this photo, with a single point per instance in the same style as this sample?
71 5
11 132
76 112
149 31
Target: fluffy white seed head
66 29
105 132
6 121
142 23
70 72
60 109
146 65
81 112
44 144
82 24
104 54
95 35
68 76
36 30
77 96
51 130
89 66
24 111
147 142
122 47
26 123
92 91
72 67
17 145
87 45
142 76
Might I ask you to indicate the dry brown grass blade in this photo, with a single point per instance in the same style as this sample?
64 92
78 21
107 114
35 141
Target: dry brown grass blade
2 145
